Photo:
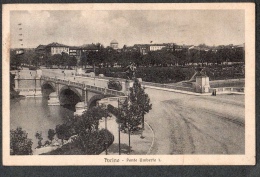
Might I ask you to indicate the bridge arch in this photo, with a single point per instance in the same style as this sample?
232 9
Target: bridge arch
47 88
93 101
69 96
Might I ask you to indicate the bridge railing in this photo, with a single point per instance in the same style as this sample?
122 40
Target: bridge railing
227 89
82 86
168 86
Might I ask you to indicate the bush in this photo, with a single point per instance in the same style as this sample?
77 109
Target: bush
114 84
94 144
152 74
176 73
32 68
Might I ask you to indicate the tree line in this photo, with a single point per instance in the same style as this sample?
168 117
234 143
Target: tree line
108 57
31 58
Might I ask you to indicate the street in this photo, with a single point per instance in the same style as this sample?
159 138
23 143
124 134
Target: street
188 124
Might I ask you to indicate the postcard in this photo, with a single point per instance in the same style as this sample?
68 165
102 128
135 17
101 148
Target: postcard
128 84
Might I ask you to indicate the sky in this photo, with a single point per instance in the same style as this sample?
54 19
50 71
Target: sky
129 27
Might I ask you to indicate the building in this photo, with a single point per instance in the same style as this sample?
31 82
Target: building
179 48
89 48
56 48
142 48
114 44
75 52
40 50
155 47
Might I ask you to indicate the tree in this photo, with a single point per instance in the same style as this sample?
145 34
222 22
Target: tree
56 59
51 134
72 61
140 103
15 60
38 135
63 132
65 59
131 112
83 59
19 143
89 120
86 124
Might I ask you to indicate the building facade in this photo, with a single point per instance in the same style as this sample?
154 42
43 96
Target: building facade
156 47
56 48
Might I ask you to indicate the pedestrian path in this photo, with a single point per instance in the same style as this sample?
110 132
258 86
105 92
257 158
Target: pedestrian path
141 144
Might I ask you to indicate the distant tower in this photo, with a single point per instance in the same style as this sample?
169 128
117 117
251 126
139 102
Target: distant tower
114 44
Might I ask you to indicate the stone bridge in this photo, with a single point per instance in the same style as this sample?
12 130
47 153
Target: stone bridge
67 92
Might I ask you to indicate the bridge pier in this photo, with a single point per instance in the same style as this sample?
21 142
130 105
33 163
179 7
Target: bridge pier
30 87
53 100
80 108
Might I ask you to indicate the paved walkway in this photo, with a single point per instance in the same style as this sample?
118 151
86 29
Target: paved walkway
139 146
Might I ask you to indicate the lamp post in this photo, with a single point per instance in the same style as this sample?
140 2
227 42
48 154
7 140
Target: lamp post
119 148
106 134
129 150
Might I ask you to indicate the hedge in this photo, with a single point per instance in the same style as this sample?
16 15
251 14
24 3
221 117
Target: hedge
175 73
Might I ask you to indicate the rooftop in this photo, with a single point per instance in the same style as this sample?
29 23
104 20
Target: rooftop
114 42
55 44
41 47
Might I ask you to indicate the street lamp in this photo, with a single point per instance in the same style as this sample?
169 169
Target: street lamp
106 134
119 148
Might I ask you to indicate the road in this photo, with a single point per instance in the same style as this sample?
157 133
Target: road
188 124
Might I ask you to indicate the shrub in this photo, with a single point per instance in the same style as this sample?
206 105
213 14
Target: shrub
152 74
114 84
176 73
94 144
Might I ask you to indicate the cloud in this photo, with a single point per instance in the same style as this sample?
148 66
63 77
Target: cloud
128 27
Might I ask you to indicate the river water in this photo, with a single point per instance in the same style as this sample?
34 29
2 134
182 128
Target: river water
34 114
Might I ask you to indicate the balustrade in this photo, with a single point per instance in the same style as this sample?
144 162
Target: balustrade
84 86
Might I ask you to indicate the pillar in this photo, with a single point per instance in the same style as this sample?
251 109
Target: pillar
85 95
202 84
79 71
38 73
38 92
53 99
127 86
16 82
80 108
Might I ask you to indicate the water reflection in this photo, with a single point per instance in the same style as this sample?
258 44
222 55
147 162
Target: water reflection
34 114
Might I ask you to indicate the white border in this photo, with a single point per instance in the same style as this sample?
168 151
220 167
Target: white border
247 159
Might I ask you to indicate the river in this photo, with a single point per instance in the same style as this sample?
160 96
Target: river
34 114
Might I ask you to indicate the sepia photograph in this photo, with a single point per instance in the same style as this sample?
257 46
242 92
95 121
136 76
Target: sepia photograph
128 84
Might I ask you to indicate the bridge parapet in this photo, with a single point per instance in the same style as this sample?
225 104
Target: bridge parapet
103 90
